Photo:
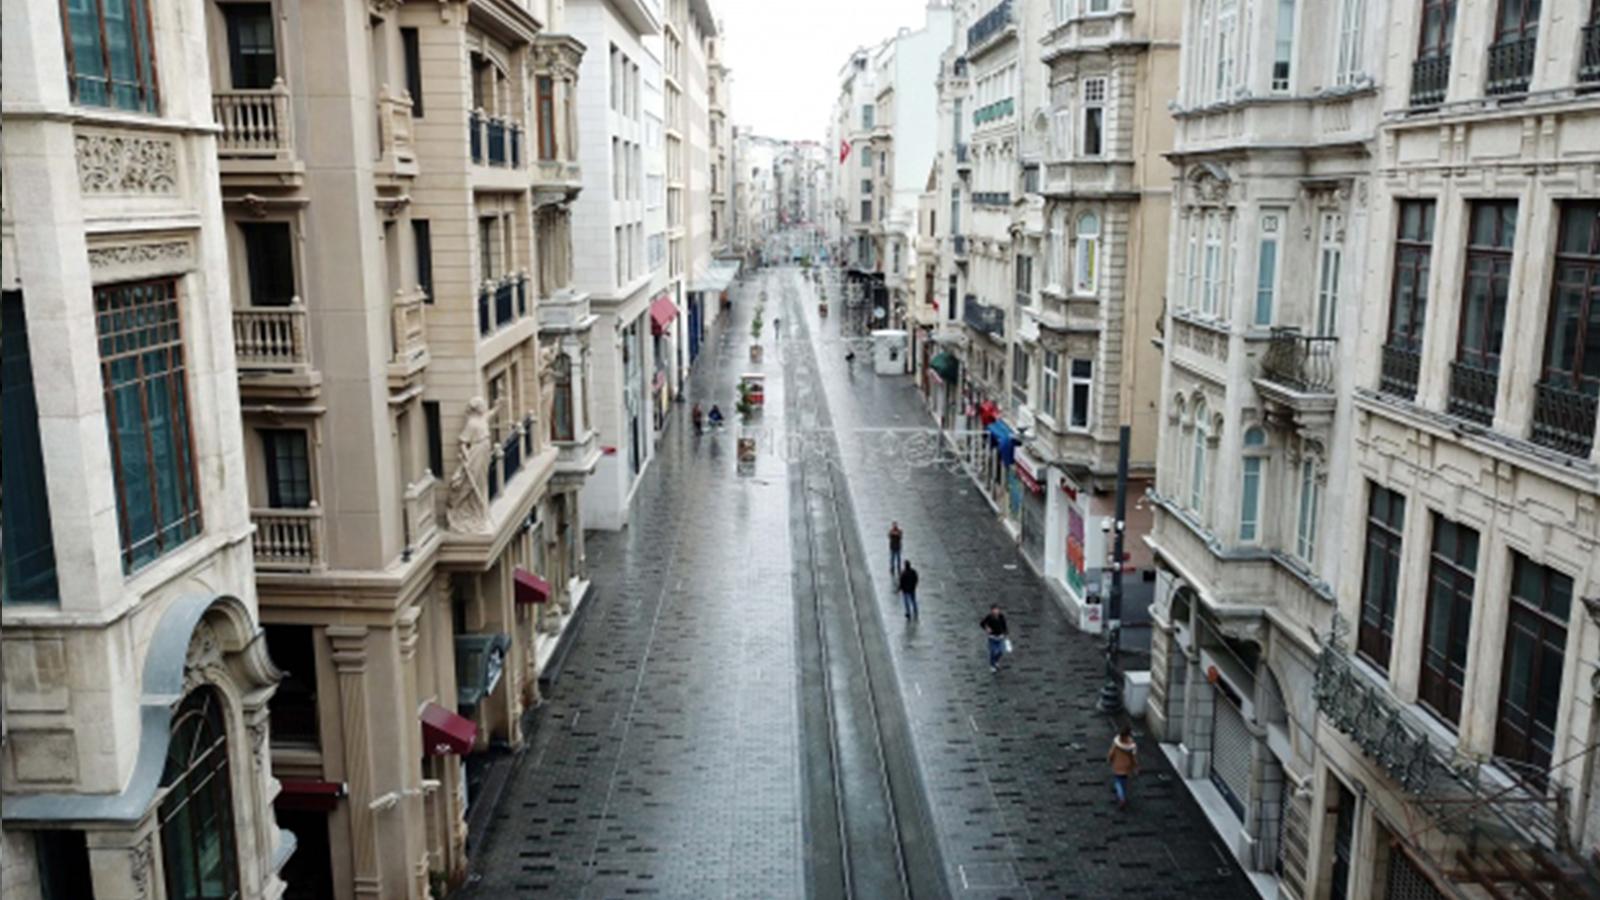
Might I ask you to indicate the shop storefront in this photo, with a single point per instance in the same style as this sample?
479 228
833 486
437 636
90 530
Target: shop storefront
1032 516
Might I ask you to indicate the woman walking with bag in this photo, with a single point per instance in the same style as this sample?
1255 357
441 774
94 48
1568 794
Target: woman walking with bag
1124 759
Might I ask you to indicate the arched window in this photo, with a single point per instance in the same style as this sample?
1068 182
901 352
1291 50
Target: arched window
1086 256
1255 443
562 427
197 835
1197 465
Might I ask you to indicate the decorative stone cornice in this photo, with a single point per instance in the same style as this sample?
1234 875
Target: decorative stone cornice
120 163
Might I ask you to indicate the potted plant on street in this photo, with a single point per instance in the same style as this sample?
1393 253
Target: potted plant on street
755 336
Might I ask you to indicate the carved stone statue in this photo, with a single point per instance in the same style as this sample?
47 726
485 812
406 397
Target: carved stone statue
468 506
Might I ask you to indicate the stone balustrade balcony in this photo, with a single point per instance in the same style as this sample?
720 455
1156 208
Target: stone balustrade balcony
289 540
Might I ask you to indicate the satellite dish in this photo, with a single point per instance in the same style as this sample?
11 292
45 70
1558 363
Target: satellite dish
879 312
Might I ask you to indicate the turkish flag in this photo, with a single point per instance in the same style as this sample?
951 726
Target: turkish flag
844 150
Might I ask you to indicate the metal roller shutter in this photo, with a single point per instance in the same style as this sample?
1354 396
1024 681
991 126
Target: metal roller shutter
1230 752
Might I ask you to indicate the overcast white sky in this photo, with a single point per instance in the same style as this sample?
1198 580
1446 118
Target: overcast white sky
786 55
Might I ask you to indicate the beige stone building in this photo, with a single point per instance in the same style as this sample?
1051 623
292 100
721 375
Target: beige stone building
1457 720
1376 506
396 181
135 756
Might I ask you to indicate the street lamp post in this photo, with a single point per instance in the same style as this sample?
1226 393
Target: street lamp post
1111 690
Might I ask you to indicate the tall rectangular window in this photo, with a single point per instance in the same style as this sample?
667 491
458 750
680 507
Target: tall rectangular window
1438 29
1211 271
412 48
1408 304
252 47
435 434
1380 579
1227 25
147 417
1475 374
1019 375
545 89
110 55
1253 474
1094 116
1352 16
1452 575
1086 256
1566 396
866 116
27 543
1283 46
1530 679
422 246
1330 262
1191 267
288 464
1271 232
1050 383
269 255
293 707
488 257
1305 532
1080 390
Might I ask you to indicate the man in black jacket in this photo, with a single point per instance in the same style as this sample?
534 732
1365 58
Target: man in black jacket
908 589
994 625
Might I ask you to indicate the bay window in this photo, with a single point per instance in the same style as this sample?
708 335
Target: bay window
1305 532
1094 116
1197 464
1050 382
1086 255
1254 474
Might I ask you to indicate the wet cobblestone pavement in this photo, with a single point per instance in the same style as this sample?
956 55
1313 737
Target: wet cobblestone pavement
668 760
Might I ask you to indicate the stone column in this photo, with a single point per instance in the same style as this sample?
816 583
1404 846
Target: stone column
349 643
411 742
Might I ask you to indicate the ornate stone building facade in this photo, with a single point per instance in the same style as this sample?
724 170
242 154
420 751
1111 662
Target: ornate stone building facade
135 758
1382 266
412 360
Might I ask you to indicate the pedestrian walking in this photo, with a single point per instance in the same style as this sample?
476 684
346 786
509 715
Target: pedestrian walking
1124 759
777 329
895 536
908 589
994 625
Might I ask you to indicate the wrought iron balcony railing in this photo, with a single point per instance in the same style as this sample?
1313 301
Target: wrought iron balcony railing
1564 419
992 23
1589 61
983 318
1302 362
1472 392
1430 79
475 135
504 302
1511 66
1401 367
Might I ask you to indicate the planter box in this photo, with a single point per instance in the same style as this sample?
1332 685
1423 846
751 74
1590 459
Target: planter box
755 353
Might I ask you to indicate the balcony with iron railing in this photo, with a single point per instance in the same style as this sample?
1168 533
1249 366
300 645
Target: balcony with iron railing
1511 66
288 540
1564 418
1430 79
509 454
1589 56
1300 362
255 128
502 301
494 140
991 24
1492 825
1472 392
1399 370
999 109
983 318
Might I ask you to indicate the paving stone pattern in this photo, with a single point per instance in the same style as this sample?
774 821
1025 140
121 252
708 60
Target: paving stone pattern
1014 761
664 761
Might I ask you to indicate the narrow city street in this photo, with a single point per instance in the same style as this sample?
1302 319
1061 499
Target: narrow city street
747 712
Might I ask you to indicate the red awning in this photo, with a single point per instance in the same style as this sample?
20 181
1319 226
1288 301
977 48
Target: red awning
317 796
444 732
662 312
530 588
988 412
